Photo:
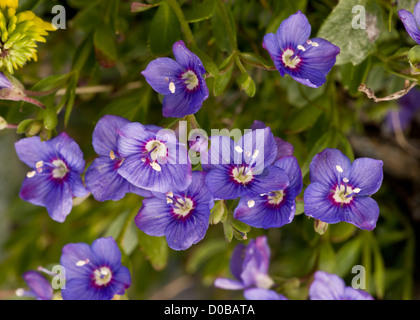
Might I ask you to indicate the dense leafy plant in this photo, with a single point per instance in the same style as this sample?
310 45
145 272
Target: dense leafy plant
336 84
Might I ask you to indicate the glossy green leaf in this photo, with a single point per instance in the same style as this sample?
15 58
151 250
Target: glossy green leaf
155 249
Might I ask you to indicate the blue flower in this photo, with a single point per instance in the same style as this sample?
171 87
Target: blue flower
39 287
153 160
5 82
276 208
182 216
328 286
411 22
102 178
340 190
243 168
180 81
249 265
94 272
307 61
55 177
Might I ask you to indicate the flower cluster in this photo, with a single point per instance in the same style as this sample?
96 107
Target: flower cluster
19 34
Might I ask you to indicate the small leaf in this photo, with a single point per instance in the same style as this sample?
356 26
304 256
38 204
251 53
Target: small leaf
218 212
247 84
50 118
164 30
240 226
255 60
155 249
228 231
326 257
221 82
140 7
200 11
105 46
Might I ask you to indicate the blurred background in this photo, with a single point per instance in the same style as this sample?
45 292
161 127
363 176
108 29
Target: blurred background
100 54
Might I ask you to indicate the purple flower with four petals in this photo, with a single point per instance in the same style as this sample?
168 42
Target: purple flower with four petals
243 168
328 286
249 265
102 178
153 160
340 190
180 81
307 61
55 179
94 272
182 216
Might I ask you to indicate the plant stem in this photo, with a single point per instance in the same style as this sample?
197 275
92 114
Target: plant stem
189 37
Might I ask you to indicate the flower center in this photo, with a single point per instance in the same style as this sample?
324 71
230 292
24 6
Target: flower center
191 79
102 276
276 197
344 193
60 170
287 59
157 152
242 175
182 206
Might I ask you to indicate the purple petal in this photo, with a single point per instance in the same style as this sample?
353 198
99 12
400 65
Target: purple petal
257 260
70 259
59 202
106 253
5 82
410 24
76 185
161 72
271 44
183 102
198 190
271 179
80 289
326 167
70 151
132 137
284 148
105 135
237 260
356 294
321 57
228 284
220 153
367 175
326 287
363 212
121 280
221 186
31 150
293 31
187 59
154 217
291 166
257 124
262 294
308 76
40 286
318 204
182 234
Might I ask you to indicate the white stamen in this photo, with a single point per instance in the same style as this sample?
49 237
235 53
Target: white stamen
172 87
239 149
357 190
256 153
339 169
300 47
169 200
31 174
251 203
156 166
345 180
314 44
143 159
112 155
20 292
309 41
248 154
170 194
39 164
81 263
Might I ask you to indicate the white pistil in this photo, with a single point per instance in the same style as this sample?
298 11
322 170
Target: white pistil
242 175
191 79
31 174
344 194
172 87
288 62
251 203
276 198
339 169
60 170
183 206
102 276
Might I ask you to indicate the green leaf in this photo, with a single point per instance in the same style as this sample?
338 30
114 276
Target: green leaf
342 29
29 126
302 119
200 11
218 212
256 60
341 232
223 26
327 258
240 226
203 253
50 118
105 46
228 231
164 31
155 249
247 84
51 82
221 82
208 63
348 255
352 76
140 7
70 97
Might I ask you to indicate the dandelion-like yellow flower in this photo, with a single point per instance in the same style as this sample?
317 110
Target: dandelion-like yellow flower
18 35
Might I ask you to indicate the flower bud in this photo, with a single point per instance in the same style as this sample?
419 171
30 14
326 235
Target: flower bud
320 227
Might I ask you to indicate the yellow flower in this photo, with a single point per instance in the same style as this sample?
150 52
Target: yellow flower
18 35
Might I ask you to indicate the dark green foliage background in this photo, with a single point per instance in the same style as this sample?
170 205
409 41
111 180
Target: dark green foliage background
103 50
